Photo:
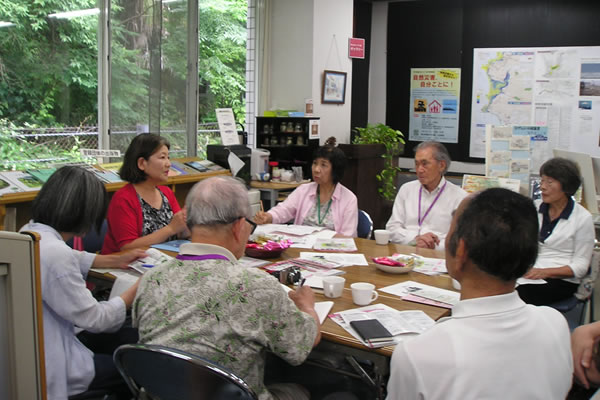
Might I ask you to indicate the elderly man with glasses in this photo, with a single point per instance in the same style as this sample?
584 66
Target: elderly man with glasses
205 303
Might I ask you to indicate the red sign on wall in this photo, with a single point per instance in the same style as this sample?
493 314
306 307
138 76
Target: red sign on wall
356 48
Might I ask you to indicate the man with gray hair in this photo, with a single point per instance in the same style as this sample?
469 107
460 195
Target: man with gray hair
423 208
205 303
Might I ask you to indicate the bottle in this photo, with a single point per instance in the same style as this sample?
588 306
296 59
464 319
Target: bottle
273 165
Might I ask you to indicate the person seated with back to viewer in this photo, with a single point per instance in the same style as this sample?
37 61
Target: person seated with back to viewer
494 346
324 202
423 208
72 202
144 213
205 303
566 237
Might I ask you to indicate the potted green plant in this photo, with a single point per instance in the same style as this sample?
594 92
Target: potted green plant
393 140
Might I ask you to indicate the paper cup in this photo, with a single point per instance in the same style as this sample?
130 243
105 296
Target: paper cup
382 236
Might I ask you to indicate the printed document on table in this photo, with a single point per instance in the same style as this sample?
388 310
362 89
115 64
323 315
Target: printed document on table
344 259
399 323
429 266
154 258
418 289
525 281
335 244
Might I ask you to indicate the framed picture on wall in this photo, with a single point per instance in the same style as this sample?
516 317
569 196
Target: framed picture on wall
334 87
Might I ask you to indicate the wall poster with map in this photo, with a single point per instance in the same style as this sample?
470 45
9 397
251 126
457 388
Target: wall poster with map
555 87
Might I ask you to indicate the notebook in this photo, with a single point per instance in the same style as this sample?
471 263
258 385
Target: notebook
371 330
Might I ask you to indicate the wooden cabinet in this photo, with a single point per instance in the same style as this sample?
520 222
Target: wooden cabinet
287 139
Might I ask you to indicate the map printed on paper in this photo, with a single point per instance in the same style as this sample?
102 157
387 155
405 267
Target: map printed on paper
529 86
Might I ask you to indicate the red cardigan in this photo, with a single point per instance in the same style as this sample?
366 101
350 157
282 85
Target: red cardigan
125 217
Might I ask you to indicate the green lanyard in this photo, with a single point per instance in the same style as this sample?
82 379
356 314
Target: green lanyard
319 219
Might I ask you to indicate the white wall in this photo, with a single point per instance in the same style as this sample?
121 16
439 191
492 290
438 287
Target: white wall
332 28
308 37
291 54
378 63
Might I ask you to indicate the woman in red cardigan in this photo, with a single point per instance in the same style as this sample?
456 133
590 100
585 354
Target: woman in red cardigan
144 213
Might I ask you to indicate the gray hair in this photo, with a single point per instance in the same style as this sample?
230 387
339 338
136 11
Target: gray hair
216 201
72 200
440 153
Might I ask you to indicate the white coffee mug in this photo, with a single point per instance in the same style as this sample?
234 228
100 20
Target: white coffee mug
382 236
363 293
333 286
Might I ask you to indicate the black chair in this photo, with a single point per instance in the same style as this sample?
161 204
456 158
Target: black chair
166 373
365 225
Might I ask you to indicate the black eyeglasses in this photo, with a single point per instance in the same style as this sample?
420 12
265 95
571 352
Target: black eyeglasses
252 223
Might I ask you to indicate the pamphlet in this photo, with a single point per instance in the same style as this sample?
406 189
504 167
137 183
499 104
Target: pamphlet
398 323
154 258
421 290
197 166
23 180
172 245
335 244
227 126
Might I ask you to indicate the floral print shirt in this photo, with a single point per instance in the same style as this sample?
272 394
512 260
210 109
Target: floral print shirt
155 219
223 312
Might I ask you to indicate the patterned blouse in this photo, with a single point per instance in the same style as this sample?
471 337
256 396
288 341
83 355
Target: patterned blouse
223 312
312 219
155 219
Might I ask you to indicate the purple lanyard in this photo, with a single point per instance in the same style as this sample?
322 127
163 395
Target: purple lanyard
202 257
432 204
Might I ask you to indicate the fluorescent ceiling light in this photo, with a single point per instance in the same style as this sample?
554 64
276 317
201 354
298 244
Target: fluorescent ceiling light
171 1
4 24
75 14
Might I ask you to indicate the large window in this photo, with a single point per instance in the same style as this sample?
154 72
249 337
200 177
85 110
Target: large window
49 80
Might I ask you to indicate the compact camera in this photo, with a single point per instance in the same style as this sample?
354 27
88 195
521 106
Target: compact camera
288 276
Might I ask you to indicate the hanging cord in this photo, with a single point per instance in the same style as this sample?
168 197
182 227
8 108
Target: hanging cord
337 53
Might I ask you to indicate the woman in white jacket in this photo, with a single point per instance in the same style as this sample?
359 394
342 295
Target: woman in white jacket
566 239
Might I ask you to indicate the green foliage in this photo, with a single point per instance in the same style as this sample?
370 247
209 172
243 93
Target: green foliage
48 67
392 140
16 153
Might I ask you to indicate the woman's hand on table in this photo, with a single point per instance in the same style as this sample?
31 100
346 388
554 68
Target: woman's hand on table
262 217
178 223
123 260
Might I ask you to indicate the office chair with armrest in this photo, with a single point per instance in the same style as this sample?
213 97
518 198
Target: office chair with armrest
166 373
365 225
574 308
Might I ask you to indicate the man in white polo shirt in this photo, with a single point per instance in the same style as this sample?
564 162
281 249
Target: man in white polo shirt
423 208
494 346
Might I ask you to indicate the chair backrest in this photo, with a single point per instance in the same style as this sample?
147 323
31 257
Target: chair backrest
166 373
365 225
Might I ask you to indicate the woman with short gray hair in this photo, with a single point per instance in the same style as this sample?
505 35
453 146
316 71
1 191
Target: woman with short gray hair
72 202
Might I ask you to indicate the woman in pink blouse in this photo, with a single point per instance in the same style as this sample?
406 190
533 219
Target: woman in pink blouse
324 202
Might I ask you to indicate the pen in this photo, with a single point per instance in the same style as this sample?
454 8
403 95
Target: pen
302 282
147 265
